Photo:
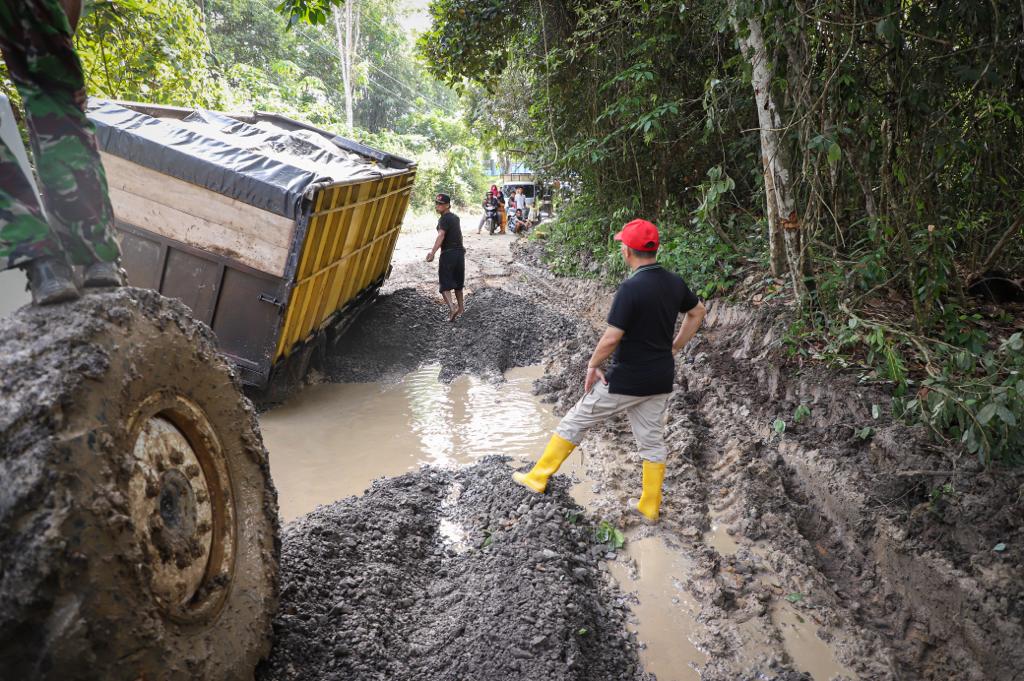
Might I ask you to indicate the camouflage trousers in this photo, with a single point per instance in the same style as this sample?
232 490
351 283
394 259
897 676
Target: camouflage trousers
36 41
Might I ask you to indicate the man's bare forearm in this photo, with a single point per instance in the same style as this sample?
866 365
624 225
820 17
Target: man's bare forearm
437 242
691 323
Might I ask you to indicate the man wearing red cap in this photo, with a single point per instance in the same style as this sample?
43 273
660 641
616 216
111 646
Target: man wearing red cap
640 334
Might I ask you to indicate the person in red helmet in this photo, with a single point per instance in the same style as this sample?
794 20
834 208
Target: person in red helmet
641 340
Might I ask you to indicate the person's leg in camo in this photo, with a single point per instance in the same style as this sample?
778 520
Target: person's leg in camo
36 41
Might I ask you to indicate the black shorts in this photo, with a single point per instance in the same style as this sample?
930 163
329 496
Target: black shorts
451 270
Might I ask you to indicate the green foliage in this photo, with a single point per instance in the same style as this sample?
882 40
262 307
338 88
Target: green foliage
446 155
579 243
801 412
939 496
609 535
971 390
314 12
977 400
147 50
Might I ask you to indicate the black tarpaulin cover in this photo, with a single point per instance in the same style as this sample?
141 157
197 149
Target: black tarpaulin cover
264 166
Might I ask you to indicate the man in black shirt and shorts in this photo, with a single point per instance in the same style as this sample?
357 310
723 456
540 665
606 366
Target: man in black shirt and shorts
640 334
451 268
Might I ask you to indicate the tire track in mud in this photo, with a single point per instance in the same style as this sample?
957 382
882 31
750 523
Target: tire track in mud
743 623
893 584
729 516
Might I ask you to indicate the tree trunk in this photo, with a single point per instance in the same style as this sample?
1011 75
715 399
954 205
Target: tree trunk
783 224
346 29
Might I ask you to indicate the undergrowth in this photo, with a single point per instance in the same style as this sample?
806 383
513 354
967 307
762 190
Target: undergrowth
580 243
954 365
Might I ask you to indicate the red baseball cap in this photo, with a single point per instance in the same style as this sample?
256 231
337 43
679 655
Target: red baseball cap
640 235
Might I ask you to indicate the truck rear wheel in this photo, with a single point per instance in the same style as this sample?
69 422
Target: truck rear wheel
138 522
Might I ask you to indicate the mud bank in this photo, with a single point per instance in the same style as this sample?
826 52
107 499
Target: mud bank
919 570
816 526
449 575
406 329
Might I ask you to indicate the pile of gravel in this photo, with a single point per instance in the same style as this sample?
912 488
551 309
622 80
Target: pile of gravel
448 576
407 329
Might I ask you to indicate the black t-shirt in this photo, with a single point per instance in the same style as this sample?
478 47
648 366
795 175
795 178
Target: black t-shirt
449 222
645 308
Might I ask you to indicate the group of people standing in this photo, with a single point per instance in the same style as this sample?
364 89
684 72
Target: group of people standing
513 212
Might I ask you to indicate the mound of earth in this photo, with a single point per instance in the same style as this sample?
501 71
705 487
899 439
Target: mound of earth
406 329
449 575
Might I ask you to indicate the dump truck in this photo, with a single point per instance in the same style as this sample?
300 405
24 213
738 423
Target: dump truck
273 232
139 528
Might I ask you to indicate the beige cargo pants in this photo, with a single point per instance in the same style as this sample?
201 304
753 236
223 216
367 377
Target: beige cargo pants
645 416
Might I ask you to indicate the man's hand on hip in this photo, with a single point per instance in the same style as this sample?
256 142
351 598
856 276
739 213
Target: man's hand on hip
593 375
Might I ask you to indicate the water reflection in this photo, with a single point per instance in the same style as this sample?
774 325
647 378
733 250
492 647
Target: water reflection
331 441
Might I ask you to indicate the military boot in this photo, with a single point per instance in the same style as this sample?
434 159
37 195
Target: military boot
103 274
50 281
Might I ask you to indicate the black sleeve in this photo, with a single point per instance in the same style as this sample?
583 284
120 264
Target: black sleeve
689 299
622 309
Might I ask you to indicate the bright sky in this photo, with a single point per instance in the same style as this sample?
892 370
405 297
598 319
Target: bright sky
415 15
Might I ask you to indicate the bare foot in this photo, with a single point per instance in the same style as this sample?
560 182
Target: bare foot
458 313
454 313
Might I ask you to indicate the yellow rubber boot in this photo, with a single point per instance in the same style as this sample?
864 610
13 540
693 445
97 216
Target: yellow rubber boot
649 505
557 451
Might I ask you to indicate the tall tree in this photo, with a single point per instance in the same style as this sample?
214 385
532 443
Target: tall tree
784 252
347 33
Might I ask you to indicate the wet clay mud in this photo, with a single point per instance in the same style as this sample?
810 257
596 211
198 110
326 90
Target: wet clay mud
408 328
372 588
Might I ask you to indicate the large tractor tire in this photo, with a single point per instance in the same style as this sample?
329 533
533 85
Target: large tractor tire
138 523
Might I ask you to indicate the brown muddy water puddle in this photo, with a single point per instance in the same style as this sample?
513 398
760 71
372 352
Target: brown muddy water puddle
333 440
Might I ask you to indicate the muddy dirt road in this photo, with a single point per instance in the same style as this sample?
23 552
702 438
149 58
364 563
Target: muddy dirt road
806 555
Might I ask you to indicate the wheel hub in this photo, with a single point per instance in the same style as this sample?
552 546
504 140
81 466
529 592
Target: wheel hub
181 508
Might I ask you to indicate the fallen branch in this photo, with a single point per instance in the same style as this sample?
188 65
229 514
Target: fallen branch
997 249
